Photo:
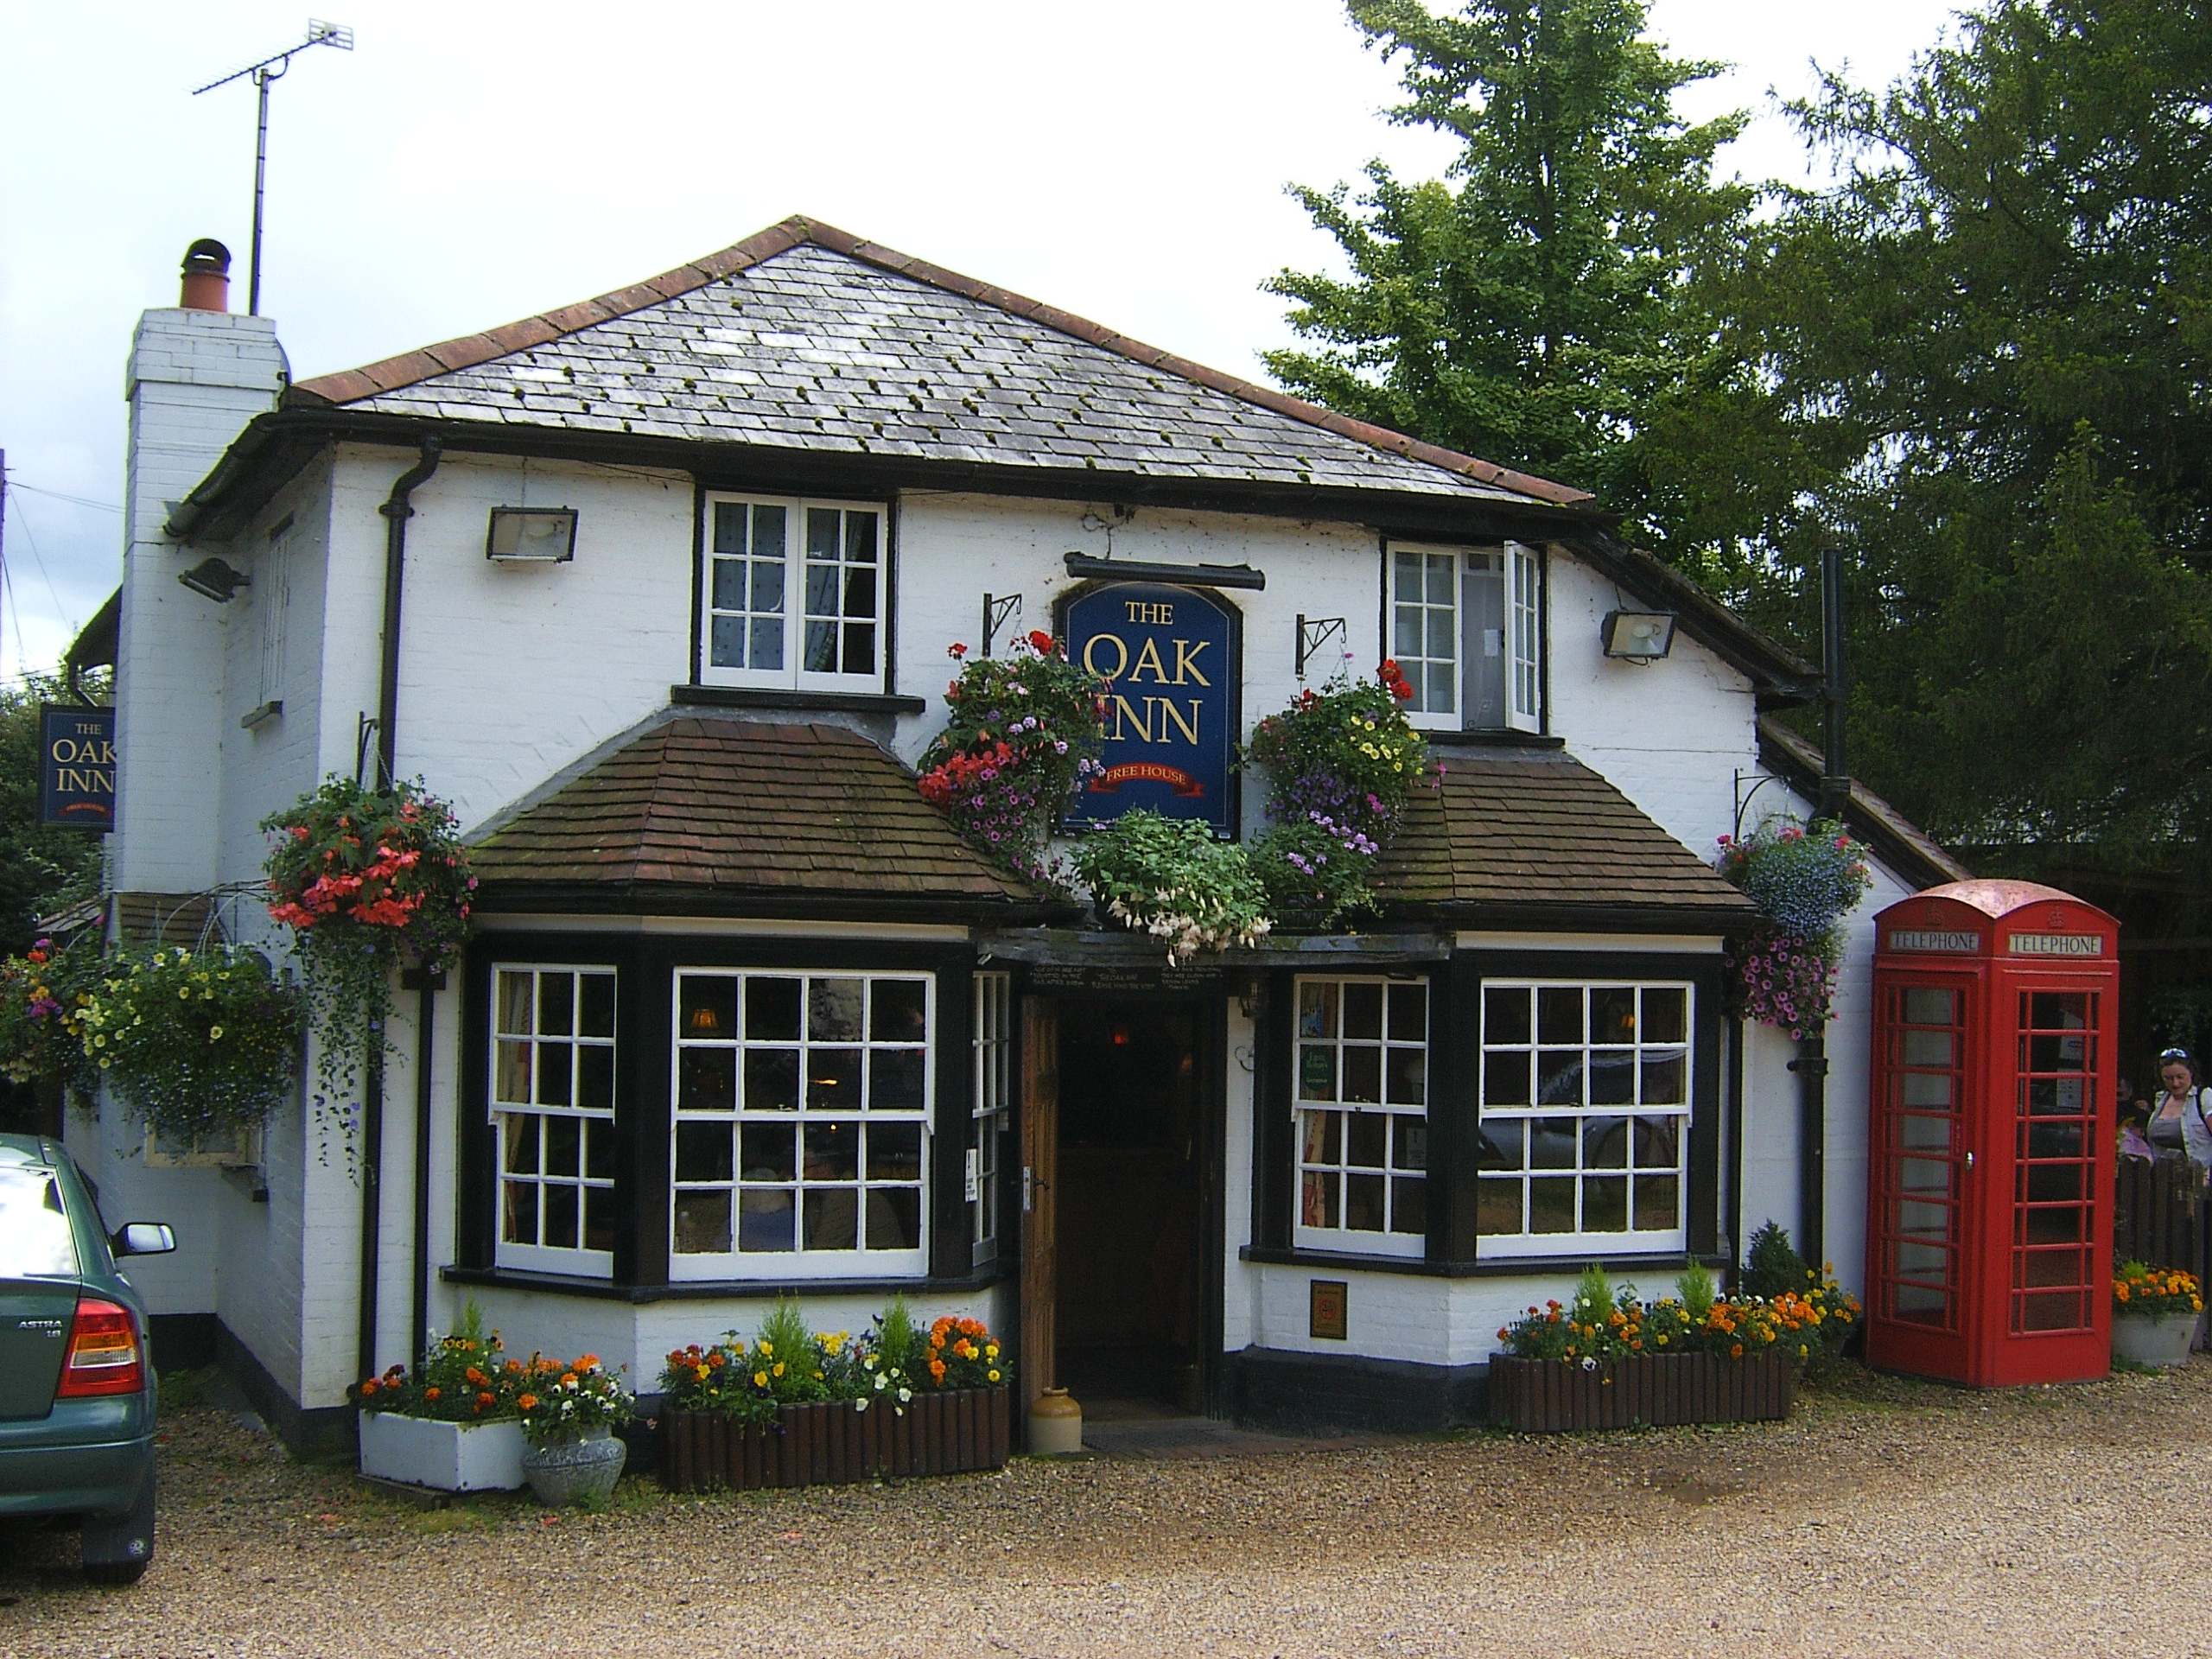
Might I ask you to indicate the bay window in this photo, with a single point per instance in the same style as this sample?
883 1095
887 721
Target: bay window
1465 626
551 1095
1360 1065
1584 1100
792 593
802 1111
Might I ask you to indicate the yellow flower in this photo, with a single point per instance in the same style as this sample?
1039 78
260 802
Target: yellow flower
760 1379
994 1377
778 1368
213 1032
767 1347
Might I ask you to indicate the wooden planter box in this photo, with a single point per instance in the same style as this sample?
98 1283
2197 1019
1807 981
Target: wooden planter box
832 1444
1544 1396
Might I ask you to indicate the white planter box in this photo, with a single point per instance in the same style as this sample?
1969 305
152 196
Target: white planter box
452 1457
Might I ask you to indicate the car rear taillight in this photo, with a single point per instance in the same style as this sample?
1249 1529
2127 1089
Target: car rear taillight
104 1355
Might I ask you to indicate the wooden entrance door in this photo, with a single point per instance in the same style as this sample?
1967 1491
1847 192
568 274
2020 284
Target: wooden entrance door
1040 1146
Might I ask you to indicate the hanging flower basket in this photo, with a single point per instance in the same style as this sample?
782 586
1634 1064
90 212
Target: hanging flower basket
1804 878
368 881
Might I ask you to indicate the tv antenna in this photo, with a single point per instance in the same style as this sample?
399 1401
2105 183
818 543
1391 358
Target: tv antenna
269 69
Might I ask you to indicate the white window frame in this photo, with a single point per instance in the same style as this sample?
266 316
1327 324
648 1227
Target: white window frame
233 1146
1520 663
799 1262
1524 637
793 674
1403 1123
991 1109
1583 1241
545 1258
272 594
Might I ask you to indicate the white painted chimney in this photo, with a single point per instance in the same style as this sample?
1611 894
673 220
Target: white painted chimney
197 375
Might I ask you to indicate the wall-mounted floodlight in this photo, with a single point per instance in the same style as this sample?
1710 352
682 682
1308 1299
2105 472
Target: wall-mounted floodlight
1639 636
213 579
532 535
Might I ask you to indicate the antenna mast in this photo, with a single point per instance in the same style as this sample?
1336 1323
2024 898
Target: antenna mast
269 69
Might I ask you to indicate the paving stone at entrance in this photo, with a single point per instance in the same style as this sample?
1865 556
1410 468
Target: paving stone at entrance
1142 1430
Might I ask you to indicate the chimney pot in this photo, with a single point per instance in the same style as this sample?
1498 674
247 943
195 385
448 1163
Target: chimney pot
207 276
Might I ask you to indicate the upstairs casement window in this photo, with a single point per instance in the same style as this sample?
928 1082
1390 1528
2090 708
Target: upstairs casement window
792 593
1465 626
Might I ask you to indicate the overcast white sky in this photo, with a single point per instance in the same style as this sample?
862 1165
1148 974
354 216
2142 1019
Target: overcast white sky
468 164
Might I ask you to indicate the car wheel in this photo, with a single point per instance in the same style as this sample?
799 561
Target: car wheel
118 1549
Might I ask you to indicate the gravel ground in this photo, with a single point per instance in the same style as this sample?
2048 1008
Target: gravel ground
1885 1517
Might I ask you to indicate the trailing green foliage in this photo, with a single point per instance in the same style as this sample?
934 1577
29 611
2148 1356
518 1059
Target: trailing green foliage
1170 878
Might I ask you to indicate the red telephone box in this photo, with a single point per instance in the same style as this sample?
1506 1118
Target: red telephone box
1990 1179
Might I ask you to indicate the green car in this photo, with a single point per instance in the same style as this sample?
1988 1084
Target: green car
76 1373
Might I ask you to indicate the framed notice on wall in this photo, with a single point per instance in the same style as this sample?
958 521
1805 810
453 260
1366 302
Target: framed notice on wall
76 777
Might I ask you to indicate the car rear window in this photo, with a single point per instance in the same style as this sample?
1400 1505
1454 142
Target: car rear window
34 1237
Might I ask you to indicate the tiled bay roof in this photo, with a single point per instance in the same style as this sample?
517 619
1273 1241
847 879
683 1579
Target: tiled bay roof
1536 833
808 337
716 813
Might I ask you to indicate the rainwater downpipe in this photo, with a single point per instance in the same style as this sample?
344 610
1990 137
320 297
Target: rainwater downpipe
1811 1065
397 512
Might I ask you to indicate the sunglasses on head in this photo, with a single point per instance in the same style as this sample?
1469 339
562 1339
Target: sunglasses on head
2165 1054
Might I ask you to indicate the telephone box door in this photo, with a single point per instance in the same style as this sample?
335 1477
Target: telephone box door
1928 1214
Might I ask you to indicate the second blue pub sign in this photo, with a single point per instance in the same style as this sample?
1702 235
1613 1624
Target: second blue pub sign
1171 657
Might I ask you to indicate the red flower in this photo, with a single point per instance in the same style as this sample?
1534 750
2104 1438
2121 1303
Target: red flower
1040 642
1388 672
955 649
1401 691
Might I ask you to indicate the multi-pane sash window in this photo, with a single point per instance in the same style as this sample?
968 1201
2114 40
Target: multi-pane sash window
994 1098
793 593
552 1107
1360 1057
1584 1114
1465 627
273 595
802 1123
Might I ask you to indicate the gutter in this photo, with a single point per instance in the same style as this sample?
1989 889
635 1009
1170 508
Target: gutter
396 512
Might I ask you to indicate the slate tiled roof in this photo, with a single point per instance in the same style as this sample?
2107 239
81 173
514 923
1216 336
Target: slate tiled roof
808 337
1536 833
721 812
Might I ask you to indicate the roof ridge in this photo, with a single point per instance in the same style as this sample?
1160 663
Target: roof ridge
467 350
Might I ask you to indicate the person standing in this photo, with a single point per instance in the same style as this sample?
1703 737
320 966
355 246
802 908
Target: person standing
2181 1117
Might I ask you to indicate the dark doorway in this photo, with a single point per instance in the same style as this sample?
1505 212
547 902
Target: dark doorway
1137 1162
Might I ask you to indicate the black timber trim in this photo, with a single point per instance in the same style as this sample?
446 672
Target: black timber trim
1088 567
802 702
1496 1267
317 1432
1303 1393
706 1290
1715 920
1491 737
1275 1133
698 581
273 447
512 898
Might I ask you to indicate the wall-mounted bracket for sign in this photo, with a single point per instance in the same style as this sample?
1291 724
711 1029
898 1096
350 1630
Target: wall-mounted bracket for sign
1313 633
999 610
1743 798
1188 575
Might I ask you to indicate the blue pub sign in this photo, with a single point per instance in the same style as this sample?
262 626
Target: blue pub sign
76 776
1170 655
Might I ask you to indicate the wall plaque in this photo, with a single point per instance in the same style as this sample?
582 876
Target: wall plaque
1328 1306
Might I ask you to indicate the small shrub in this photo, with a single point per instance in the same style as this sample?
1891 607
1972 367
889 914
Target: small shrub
1772 1265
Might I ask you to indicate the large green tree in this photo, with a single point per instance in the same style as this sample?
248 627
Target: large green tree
1533 306
1979 364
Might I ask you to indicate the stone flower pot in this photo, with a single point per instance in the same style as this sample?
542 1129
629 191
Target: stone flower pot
2144 1340
567 1472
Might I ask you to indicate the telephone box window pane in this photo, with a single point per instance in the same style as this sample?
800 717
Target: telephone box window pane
1920 1304
1926 1089
1924 1260
2057 1010
1927 1006
1923 1133
1929 1048
1920 1219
